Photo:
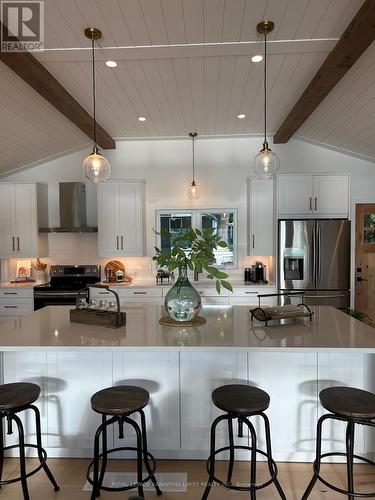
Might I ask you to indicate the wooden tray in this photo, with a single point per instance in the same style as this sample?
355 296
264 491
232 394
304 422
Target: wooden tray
107 319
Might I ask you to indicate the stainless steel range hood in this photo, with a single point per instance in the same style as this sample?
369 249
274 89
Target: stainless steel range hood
72 199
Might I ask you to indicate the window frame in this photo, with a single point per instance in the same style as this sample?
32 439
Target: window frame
196 222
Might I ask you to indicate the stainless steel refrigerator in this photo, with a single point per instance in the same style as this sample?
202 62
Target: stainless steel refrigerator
314 256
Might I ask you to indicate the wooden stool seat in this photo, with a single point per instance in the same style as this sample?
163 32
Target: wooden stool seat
240 399
18 395
120 400
348 402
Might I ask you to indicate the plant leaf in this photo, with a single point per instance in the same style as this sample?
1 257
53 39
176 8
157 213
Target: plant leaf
218 287
227 285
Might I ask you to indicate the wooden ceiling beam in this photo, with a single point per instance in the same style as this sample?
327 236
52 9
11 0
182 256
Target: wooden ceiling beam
40 79
357 37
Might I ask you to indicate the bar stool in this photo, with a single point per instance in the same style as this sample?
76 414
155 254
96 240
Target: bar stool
14 398
119 403
353 406
240 402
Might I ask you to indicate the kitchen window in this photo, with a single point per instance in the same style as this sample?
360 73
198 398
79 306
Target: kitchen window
178 222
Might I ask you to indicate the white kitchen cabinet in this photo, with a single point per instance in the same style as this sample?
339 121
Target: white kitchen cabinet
304 195
121 219
248 296
16 301
201 373
261 216
152 295
19 236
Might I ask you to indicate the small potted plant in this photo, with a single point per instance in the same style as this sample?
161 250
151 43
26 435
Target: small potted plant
195 251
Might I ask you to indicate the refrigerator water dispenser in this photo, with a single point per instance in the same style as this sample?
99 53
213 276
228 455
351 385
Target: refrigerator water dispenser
293 268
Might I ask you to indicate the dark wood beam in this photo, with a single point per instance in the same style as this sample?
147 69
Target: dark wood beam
40 79
357 37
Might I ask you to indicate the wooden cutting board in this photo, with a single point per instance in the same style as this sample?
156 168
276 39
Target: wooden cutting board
114 265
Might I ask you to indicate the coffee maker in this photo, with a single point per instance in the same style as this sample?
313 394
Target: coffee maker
256 273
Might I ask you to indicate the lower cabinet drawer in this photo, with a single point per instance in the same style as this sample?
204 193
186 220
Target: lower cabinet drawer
8 292
102 293
140 293
218 300
16 307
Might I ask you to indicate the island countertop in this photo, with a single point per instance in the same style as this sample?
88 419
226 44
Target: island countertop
227 327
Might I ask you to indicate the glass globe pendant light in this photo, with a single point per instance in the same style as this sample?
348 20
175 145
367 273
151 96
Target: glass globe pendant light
96 168
193 191
266 162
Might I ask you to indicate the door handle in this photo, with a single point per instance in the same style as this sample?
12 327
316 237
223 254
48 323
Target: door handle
13 244
122 242
316 203
310 204
117 245
18 243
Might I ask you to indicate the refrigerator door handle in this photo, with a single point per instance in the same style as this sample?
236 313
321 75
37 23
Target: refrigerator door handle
318 249
325 296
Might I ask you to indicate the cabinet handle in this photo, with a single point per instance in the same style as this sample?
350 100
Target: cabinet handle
310 204
253 241
18 243
117 243
139 293
10 293
252 293
103 293
10 307
316 203
122 243
13 244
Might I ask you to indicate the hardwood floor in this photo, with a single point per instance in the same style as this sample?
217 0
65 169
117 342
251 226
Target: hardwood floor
70 474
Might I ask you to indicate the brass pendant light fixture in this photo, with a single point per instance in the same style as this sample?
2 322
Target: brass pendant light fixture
193 191
95 166
266 162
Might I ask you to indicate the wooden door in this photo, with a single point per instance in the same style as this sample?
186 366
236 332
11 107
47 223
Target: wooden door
365 260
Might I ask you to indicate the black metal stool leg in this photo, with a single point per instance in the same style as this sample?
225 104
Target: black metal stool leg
104 452
95 487
212 456
231 450
1 446
269 455
39 444
253 467
349 456
316 466
139 454
145 455
21 441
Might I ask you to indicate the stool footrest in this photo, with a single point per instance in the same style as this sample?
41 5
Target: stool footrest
130 486
31 473
336 488
251 487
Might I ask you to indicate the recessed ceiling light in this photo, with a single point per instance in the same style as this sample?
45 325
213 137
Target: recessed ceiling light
241 116
257 58
111 64
141 119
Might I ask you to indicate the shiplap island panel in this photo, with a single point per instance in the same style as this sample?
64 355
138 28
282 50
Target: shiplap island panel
181 366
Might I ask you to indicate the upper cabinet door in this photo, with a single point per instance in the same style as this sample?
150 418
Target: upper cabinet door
131 199
120 219
331 194
108 220
7 236
294 194
261 217
26 220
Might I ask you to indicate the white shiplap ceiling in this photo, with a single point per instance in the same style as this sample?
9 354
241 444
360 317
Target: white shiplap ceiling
185 65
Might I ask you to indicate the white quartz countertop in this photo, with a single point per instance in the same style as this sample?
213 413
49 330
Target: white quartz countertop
8 284
202 283
227 328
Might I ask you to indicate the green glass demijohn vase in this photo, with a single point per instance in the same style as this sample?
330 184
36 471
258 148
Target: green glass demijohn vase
183 301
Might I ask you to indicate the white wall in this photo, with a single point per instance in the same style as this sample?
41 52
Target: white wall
222 167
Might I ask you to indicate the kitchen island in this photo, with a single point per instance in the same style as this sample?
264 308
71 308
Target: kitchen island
291 360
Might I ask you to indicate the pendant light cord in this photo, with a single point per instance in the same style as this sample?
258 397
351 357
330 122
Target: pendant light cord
94 88
265 87
193 159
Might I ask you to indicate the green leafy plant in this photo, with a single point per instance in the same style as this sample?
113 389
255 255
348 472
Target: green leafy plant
195 251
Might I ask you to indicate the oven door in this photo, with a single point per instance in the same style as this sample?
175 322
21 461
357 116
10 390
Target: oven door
54 298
